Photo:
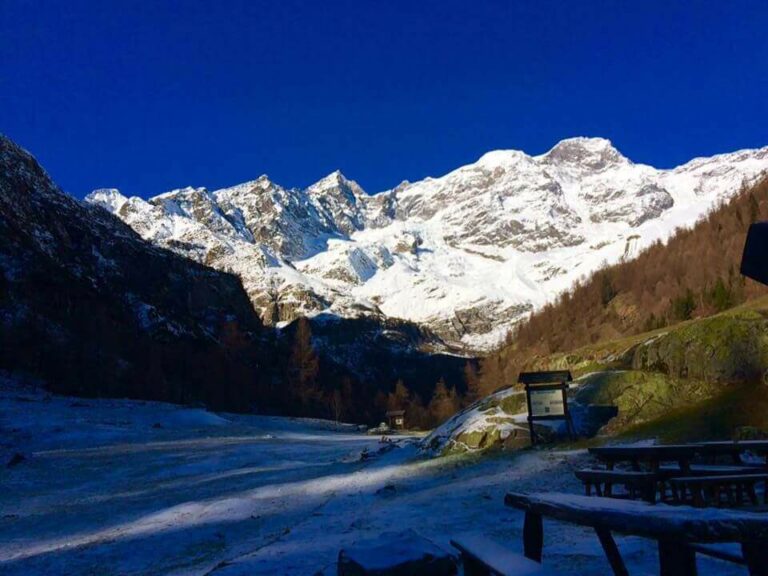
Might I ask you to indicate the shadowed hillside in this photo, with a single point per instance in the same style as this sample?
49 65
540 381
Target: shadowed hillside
89 308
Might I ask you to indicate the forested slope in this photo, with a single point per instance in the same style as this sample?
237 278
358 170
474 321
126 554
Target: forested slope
695 274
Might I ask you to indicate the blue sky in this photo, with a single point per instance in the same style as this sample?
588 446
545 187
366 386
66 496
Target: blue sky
149 96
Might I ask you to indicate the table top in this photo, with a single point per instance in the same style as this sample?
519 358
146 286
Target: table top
735 446
657 521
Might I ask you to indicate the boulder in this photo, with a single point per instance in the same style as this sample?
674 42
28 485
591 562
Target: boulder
396 554
16 459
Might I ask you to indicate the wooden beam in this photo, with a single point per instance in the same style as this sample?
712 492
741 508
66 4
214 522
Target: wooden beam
544 377
612 552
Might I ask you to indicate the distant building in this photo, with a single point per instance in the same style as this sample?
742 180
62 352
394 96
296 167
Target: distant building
396 419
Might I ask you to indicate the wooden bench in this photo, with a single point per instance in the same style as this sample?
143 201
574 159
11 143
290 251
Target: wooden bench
638 485
678 530
483 557
709 490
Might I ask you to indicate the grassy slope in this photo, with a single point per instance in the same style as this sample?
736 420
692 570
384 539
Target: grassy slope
699 379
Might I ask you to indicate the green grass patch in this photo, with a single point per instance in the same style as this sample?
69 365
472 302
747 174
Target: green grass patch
716 418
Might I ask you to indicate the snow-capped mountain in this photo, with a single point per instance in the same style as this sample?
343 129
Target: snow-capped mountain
467 254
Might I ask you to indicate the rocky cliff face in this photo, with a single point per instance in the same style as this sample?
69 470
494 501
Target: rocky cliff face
466 255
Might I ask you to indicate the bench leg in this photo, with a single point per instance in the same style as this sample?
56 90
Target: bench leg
612 552
649 493
756 556
676 559
752 494
533 536
741 493
472 567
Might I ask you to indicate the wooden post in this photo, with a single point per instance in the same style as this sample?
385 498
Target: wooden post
533 536
568 421
676 559
530 414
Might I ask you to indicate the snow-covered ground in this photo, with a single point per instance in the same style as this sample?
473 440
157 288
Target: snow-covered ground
124 487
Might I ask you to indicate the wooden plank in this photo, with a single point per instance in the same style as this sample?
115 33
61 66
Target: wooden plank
615 475
660 522
668 471
544 377
720 479
481 556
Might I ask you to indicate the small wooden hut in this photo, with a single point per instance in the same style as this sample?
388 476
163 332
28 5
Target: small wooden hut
396 419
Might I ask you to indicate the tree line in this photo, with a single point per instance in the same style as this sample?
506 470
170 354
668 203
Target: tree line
309 387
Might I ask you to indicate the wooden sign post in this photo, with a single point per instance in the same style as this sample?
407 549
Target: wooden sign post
547 397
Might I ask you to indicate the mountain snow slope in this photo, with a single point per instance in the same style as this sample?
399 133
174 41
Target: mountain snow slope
467 255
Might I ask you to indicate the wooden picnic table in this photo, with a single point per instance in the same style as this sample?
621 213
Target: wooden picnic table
675 528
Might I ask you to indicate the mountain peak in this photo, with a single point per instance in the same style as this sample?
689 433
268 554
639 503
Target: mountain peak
499 157
110 198
335 178
595 153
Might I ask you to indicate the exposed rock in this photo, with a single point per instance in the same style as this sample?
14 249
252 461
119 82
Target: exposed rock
396 554
468 254
729 347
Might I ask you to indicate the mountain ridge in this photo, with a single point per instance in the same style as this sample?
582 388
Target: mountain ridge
468 254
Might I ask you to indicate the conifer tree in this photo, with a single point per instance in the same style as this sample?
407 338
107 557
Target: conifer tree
444 403
399 398
304 366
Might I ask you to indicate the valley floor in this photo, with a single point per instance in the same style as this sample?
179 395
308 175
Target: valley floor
122 487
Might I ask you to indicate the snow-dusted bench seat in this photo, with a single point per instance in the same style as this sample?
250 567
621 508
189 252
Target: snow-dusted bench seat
677 529
483 557
710 490
404 553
